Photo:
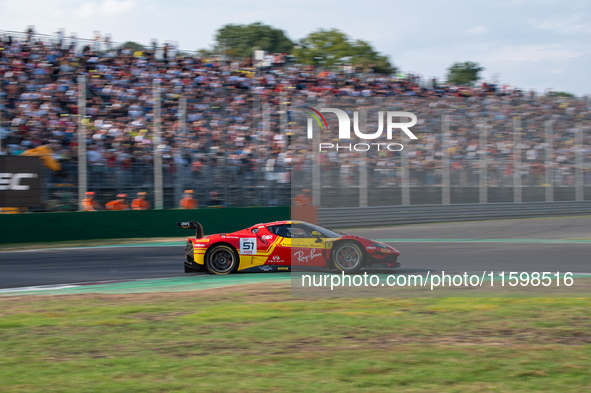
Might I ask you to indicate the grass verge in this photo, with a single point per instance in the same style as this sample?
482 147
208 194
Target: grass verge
259 338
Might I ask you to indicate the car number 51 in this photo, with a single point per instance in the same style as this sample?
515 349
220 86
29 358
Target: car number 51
248 246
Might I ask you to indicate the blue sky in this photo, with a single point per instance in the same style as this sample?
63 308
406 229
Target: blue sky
530 44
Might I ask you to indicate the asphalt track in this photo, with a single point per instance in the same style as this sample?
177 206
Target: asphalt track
532 245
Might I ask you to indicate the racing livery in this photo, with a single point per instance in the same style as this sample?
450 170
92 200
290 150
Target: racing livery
279 245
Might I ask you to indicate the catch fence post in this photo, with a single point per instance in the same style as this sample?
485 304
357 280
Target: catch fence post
82 162
158 197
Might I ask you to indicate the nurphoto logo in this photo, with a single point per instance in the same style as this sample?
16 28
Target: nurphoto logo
345 129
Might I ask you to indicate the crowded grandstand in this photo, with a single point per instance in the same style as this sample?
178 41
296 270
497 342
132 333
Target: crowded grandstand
240 134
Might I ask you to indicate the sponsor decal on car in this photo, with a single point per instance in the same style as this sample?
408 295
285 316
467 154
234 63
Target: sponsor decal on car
248 245
282 268
306 258
265 268
275 259
267 237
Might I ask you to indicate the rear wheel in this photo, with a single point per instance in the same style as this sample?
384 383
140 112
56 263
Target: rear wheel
348 257
221 259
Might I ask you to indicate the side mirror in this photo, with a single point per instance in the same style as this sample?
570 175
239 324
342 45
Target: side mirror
256 232
317 235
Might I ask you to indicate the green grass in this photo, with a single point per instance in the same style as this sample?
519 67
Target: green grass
245 340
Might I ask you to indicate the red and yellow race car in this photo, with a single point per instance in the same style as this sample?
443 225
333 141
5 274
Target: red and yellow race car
281 245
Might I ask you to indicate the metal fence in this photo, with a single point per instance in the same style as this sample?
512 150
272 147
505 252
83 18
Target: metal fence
184 145
458 158
236 185
468 151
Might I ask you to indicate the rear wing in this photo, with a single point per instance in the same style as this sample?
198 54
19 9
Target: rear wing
192 225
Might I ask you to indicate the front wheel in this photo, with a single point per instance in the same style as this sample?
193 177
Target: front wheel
348 257
221 259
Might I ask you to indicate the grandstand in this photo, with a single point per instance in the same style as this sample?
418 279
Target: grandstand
229 128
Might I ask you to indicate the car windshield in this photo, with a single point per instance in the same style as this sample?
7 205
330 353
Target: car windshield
325 232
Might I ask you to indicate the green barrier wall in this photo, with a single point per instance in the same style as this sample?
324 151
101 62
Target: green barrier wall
49 227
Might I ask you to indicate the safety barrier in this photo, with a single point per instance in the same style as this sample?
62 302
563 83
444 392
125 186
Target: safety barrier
49 227
395 215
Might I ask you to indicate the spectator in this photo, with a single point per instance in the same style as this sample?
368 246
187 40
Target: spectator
118 204
140 203
89 204
188 202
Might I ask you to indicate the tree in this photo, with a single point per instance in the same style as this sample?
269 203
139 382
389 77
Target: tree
333 47
464 74
205 52
240 40
563 94
134 46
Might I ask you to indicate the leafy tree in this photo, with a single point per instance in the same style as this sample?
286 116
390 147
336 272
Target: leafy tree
563 94
205 52
464 74
332 47
134 46
240 40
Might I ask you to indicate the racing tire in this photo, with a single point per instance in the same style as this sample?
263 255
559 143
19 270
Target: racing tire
221 259
348 257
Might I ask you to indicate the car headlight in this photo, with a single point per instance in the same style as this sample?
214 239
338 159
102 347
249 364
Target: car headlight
384 249
378 245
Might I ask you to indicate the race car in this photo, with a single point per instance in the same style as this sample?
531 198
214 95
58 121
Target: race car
281 245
